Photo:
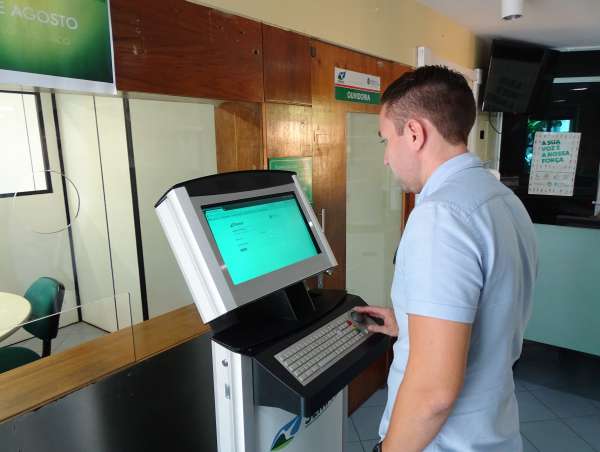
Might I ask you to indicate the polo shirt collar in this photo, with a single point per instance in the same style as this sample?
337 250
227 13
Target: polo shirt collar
445 170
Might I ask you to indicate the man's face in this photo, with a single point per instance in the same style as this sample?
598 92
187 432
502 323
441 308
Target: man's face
399 154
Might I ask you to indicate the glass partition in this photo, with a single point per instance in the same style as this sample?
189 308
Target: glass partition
79 210
373 212
35 326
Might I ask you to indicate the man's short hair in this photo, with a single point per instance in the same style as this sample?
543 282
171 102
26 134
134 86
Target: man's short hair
435 93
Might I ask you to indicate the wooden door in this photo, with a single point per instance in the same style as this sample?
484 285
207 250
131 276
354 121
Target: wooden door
329 168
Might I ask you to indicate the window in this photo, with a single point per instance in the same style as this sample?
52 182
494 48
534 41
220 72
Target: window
23 156
543 125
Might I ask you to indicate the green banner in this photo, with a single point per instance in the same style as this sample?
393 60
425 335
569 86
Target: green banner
302 166
56 38
357 95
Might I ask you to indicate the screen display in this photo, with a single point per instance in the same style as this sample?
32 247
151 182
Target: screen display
513 76
259 236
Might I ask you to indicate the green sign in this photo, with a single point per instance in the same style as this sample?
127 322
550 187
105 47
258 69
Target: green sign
62 44
554 163
302 166
356 95
353 86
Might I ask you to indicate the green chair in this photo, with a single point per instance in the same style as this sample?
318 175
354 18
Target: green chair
46 298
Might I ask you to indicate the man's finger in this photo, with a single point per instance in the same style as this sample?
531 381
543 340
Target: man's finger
374 310
377 329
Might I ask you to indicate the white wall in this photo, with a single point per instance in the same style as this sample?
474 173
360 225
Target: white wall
173 142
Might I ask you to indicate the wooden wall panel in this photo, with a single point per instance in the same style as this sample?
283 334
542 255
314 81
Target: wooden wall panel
183 49
239 136
288 130
286 57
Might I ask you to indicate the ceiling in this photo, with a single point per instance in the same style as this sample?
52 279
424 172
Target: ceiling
553 23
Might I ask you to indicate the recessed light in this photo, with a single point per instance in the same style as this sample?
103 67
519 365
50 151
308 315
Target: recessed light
579 89
560 100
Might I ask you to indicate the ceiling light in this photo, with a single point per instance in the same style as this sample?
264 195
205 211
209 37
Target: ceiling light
579 89
560 100
512 9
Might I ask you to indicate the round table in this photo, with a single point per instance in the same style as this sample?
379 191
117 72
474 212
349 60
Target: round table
14 310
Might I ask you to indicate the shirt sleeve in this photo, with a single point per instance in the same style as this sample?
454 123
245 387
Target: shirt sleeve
442 265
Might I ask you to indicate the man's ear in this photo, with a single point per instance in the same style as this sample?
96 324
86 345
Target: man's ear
417 134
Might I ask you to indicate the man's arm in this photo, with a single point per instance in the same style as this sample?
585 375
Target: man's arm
432 382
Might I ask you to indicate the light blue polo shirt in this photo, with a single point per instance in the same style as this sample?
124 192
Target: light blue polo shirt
468 254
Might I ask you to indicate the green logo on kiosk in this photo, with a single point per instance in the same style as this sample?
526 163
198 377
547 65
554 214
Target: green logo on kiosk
353 86
286 434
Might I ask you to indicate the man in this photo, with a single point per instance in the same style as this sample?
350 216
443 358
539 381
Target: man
462 289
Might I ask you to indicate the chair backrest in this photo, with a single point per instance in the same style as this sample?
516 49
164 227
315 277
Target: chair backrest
46 298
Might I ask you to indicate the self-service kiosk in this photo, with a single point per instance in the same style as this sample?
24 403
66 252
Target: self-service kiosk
282 354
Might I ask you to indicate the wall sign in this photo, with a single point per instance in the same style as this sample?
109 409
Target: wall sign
64 44
554 163
353 86
302 166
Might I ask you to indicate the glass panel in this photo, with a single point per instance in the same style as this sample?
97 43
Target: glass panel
33 327
94 150
65 236
373 212
173 142
83 233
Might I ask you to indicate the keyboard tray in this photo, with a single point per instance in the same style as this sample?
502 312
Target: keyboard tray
275 386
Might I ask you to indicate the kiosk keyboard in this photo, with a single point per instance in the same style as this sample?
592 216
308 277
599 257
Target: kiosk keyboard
312 355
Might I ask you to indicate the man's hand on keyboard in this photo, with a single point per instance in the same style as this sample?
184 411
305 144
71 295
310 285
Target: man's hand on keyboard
389 327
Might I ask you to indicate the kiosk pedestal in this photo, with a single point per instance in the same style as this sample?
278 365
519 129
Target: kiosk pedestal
243 426
262 407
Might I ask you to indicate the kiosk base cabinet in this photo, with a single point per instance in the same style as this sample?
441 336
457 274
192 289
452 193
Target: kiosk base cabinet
244 427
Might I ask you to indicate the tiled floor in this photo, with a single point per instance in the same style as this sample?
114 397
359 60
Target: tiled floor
68 337
559 404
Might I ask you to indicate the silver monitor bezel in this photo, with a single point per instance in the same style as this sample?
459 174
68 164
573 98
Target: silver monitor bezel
261 286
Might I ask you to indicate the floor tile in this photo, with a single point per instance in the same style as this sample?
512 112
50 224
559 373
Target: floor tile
366 420
588 428
67 337
77 334
531 409
34 344
565 404
520 385
553 436
353 447
527 446
351 435
379 398
369 445
537 387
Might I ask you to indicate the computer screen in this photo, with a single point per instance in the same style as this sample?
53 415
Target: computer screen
258 236
239 237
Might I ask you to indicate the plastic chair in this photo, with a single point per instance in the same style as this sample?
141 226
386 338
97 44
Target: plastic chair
46 298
